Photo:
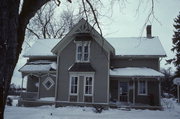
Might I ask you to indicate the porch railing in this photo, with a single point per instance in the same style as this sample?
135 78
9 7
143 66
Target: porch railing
29 95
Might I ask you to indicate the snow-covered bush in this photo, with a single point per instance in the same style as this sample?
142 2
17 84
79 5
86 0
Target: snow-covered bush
167 103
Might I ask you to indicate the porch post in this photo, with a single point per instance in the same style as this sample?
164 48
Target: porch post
22 86
159 91
38 96
128 93
118 92
134 91
178 93
22 83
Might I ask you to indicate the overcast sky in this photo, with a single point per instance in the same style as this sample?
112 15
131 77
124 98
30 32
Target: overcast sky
125 21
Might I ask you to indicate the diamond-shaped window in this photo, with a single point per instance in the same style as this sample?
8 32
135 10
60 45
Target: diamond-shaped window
48 83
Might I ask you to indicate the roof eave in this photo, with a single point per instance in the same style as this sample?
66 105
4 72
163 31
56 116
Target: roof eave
139 56
39 71
136 76
34 56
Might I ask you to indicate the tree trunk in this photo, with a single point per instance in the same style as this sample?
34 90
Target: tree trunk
12 31
8 42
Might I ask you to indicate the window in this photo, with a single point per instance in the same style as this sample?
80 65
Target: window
88 86
142 87
79 53
82 51
74 86
48 83
86 53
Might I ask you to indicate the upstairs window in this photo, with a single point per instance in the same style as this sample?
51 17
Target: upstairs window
82 51
79 53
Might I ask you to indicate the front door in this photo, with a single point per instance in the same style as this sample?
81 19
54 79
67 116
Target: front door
123 91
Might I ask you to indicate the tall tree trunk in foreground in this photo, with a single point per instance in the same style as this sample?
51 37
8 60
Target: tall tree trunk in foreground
8 44
12 32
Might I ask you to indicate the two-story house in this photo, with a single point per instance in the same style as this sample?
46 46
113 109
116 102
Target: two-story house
85 69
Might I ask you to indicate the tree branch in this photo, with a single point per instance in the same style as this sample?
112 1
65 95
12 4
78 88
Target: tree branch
85 11
95 17
30 30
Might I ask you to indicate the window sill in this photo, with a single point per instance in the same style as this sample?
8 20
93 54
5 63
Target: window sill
88 95
73 94
142 94
82 61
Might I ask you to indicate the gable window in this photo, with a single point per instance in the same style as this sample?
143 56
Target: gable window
82 51
74 85
48 83
142 87
79 52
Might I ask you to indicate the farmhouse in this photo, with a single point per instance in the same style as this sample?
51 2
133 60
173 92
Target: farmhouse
85 69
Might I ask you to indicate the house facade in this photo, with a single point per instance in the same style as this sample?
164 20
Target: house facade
85 69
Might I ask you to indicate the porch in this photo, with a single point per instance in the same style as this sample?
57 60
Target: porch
29 95
135 87
31 99
129 106
39 78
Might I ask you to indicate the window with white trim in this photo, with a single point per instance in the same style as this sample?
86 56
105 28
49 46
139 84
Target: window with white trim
48 83
82 51
142 87
74 85
88 86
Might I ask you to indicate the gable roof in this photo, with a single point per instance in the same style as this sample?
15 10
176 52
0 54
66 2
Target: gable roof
122 46
42 47
137 46
82 27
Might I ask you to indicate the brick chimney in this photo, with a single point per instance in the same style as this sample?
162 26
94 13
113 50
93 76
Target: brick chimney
148 31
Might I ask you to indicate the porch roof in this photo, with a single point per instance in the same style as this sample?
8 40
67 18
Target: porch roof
81 67
38 67
135 72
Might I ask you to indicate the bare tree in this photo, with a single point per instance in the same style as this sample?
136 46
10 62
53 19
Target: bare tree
13 22
47 24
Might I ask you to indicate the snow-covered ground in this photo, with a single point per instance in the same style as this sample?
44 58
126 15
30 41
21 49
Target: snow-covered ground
172 111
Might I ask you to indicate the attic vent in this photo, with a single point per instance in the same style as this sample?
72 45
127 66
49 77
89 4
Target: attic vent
148 31
83 37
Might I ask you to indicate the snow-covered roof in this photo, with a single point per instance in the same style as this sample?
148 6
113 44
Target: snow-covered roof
124 46
42 47
137 46
38 67
135 72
